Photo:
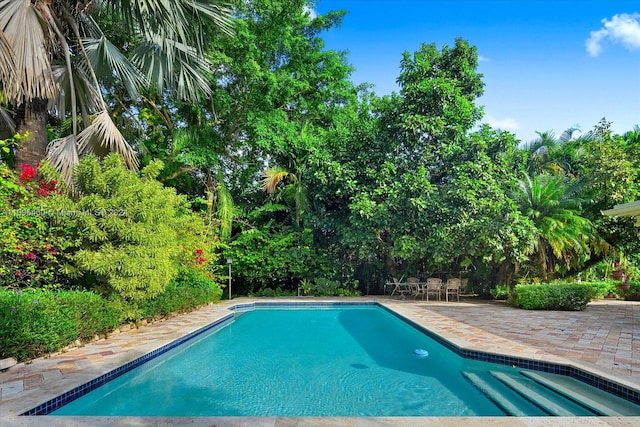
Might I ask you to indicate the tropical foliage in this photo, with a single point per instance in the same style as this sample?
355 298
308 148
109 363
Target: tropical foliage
57 58
255 145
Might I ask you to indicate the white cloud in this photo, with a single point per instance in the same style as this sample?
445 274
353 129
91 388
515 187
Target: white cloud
623 28
483 58
508 124
311 11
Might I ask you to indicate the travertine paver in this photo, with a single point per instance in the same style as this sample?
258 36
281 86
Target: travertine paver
604 339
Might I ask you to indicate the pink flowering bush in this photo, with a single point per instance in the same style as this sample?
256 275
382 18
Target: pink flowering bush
28 172
37 237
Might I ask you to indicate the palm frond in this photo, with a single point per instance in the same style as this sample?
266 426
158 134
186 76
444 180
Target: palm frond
25 33
7 62
109 63
6 119
170 64
62 153
225 209
103 135
178 19
272 177
217 11
568 135
87 97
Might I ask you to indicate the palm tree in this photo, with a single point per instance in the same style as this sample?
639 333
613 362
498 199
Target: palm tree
560 156
296 156
57 60
294 191
564 238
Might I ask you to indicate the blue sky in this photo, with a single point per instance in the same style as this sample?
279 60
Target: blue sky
548 65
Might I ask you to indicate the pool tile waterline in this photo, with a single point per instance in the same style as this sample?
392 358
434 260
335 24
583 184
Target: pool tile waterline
612 387
447 321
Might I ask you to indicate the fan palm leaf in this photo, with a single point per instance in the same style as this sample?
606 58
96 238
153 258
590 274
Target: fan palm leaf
103 135
27 34
173 18
273 176
87 97
62 153
7 64
110 63
170 64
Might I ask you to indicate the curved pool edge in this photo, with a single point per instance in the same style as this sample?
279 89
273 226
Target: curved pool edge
10 407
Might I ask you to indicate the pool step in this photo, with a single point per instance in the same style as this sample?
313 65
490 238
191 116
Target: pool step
597 400
548 403
525 393
505 404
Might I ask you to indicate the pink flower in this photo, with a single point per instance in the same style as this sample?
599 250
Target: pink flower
28 172
30 256
200 260
199 252
47 187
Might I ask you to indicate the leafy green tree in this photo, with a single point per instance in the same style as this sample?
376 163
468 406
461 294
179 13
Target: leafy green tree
279 99
438 90
610 171
425 194
478 221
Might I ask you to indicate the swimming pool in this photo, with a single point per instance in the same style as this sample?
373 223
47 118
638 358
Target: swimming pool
327 361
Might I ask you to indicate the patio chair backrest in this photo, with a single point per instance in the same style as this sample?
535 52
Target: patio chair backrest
453 283
434 283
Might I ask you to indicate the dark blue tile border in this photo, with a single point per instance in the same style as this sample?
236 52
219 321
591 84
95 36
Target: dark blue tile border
59 401
609 386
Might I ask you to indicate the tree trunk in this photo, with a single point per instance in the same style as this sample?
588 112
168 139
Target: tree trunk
32 117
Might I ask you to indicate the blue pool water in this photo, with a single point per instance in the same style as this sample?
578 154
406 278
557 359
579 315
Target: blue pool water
351 361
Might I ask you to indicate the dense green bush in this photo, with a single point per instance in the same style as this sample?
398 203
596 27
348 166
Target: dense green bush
34 322
602 288
188 291
570 296
136 233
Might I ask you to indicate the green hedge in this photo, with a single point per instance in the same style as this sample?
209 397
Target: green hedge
34 322
569 296
188 291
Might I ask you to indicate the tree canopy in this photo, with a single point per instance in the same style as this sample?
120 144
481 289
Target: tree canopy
304 178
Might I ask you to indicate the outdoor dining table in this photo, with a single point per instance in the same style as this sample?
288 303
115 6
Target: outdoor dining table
396 287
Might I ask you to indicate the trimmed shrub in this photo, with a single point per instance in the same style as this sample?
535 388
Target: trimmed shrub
569 296
188 291
34 322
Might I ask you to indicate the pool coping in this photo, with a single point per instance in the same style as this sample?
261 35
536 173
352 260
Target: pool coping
396 307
